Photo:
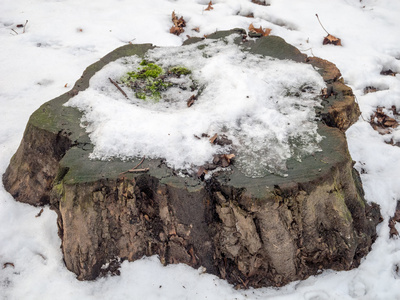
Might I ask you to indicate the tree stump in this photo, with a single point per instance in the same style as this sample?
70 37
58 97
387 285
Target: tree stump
251 231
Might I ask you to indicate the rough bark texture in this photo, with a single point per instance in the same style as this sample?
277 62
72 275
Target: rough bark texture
253 232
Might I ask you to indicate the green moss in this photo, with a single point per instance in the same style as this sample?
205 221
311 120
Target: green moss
180 71
149 80
148 71
342 207
140 95
59 189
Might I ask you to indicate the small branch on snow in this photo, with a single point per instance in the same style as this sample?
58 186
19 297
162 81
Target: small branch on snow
25 26
321 24
118 87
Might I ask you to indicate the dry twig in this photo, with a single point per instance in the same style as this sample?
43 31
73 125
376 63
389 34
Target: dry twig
40 213
118 87
135 168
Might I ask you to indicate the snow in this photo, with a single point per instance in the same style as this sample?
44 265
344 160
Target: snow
63 37
248 98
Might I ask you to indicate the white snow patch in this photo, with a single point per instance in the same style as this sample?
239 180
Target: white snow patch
52 50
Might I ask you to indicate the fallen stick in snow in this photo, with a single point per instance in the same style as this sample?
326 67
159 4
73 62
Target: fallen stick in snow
118 87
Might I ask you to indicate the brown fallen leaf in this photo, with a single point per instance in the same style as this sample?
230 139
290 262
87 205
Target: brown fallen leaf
8 264
382 122
177 29
330 39
197 29
388 73
229 156
214 137
263 32
201 172
223 160
370 89
390 122
191 100
209 7
263 3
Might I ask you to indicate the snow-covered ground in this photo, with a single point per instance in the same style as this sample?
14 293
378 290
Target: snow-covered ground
62 37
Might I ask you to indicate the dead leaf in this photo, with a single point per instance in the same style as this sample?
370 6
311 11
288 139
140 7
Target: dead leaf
388 73
214 137
223 160
229 156
66 85
191 100
201 172
177 29
330 39
263 3
263 32
370 89
381 122
390 122
197 29
5 265
209 7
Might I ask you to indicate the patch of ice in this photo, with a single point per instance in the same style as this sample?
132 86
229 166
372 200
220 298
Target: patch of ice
265 106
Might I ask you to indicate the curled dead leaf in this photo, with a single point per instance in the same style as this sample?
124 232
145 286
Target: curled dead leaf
381 122
209 7
191 100
388 73
260 31
370 89
8 264
214 137
177 29
201 172
330 39
262 2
